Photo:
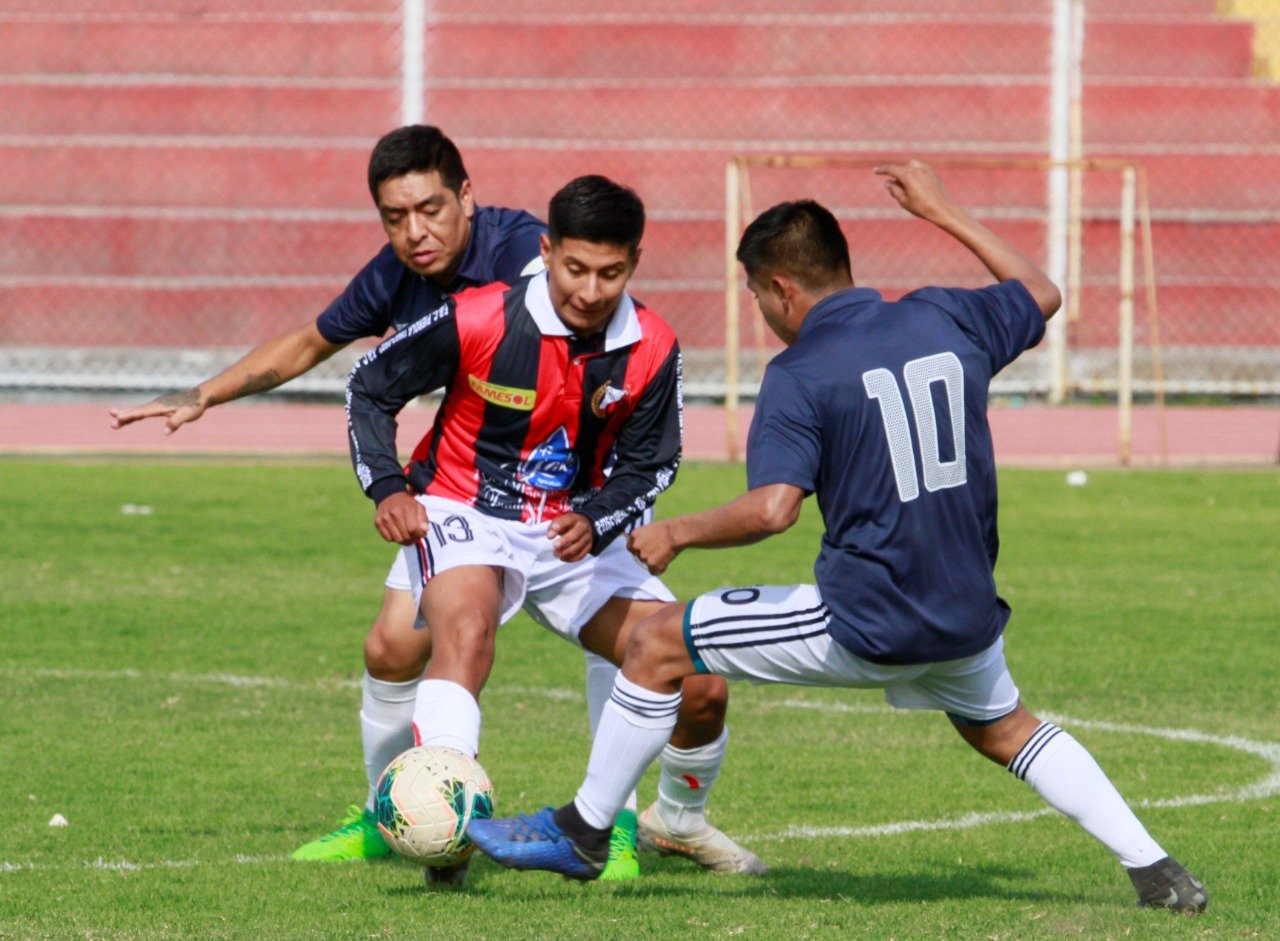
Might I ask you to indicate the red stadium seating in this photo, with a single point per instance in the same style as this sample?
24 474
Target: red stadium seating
143 145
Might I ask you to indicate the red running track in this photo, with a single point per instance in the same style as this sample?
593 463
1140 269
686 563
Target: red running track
1032 435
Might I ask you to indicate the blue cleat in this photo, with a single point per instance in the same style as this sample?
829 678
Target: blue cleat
535 841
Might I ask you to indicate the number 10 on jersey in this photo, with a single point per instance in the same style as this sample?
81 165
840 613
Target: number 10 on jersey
918 376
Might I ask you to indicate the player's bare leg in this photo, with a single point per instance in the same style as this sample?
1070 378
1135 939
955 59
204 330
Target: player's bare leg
462 605
1065 775
396 651
676 823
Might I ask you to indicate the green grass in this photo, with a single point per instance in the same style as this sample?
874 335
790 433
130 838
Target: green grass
181 685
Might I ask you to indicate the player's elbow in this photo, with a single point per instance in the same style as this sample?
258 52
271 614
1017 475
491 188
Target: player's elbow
777 514
1048 297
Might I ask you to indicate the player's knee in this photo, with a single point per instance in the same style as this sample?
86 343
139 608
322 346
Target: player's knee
704 700
396 656
655 649
1001 740
465 637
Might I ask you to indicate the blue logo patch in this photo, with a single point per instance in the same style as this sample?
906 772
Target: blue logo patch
552 465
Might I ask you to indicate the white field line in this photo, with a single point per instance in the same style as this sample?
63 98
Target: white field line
1264 787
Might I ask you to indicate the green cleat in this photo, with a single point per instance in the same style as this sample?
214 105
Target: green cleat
357 837
623 864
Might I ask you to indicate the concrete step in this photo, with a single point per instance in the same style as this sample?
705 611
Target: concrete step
729 9
186 245
121 314
303 174
1226 314
322 174
1145 114
1004 114
54 245
1182 49
207 10
1207 47
243 109
369 47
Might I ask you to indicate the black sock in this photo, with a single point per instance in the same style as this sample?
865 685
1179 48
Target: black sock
590 840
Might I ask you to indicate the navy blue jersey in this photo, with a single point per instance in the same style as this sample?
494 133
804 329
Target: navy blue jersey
387 295
881 410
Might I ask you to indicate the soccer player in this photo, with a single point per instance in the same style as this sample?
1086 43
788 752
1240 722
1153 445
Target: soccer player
560 425
439 242
880 409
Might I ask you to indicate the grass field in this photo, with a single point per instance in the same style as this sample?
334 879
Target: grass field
179 655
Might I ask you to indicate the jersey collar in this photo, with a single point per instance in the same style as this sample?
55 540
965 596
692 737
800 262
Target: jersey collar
838 304
622 330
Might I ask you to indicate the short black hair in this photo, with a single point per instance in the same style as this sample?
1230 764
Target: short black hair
801 239
596 209
415 148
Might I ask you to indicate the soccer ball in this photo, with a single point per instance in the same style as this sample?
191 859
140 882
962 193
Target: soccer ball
425 799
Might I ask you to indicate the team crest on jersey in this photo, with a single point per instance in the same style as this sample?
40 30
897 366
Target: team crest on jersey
519 399
552 465
605 399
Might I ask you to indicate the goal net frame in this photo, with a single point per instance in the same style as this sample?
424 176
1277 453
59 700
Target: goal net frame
1134 221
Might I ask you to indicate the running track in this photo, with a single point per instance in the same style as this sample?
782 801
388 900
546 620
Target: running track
1032 435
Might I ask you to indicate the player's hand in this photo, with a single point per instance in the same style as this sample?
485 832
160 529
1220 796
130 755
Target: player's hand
177 408
653 545
573 536
917 189
400 518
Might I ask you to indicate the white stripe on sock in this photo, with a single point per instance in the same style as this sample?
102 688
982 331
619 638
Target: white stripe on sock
635 725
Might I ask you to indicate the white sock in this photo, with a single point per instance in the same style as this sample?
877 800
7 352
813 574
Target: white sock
634 726
600 676
686 776
447 715
386 725
1061 771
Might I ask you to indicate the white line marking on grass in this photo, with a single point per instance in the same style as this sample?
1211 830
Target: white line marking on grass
239 681
126 865
1267 786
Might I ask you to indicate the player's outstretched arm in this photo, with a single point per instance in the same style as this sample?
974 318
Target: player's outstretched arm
760 512
917 188
266 366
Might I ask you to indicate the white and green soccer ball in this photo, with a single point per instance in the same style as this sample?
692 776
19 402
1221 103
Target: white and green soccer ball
425 799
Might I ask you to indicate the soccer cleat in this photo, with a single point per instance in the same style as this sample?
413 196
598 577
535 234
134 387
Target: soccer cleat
1167 884
623 865
709 847
357 837
535 841
447 877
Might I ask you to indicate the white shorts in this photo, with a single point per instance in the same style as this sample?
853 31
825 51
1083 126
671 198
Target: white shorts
560 596
778 634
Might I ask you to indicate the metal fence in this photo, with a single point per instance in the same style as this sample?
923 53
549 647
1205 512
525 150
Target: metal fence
181 179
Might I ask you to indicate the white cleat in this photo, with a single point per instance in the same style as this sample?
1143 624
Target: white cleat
709 847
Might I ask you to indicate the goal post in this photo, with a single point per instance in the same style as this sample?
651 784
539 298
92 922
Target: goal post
891 254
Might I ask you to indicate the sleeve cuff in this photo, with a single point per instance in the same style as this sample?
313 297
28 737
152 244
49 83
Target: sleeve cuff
384 487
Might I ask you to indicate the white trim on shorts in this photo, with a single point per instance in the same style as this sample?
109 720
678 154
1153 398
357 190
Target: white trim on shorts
560 596
778 634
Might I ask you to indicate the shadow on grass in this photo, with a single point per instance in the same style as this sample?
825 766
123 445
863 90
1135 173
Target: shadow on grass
666 879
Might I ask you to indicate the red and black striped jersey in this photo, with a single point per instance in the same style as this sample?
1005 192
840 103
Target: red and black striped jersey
535 421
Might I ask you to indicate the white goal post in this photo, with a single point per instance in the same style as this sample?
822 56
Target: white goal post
1134 220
